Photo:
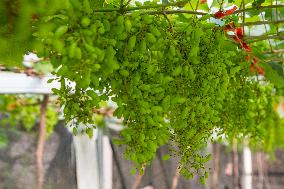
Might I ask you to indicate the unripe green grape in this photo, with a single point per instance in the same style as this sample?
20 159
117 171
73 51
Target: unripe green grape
96 67
86 6
71 51
177 71
143 46
128 25
194 51
141 137
112 42
100 54
145 87
172 50
87 32
122 35
93 28
147 19
155 31
48 41
107 25
89 48
120 21
198 32
150 38
64 60
191 74
124 73
60 31
131 42
150 69
157 109
76 4
101 30
77 53
85 21
58 45
125 63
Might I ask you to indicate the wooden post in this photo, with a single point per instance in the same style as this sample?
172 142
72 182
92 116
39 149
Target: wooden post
216 166
235 166
176 178
40 143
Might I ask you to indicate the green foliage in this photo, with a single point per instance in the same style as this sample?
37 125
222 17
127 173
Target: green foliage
274 72
18 20
176 79
177 84
3 139
23 112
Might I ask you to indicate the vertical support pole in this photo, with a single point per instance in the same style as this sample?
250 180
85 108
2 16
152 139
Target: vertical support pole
40 143
107 163
100 157
87 162
93 161
259 162
235 166
247 168
105 160
176 178
216 166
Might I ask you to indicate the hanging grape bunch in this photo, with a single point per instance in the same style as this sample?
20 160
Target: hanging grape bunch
175 79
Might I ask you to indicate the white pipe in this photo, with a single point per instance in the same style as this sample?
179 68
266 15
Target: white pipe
107 163
87 168
247 168
19 83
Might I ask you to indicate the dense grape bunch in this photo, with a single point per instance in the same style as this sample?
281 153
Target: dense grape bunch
173 78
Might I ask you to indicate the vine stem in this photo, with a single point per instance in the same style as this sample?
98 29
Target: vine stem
260 8
261 22
121 4
180 11
176 12
128 2
178 4
40 143
275 60
197 4
171 26
253 39
145 7
275 51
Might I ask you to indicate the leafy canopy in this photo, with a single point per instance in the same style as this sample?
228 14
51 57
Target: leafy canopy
176 78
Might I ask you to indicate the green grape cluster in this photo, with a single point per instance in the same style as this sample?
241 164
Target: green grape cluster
258 120
176 80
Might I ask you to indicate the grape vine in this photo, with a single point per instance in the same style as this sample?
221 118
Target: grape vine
176 79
